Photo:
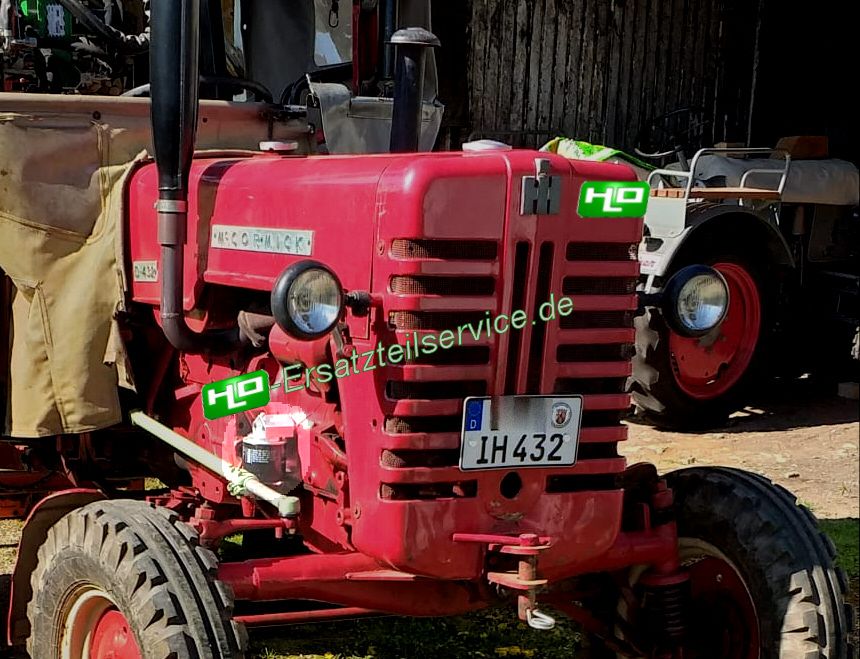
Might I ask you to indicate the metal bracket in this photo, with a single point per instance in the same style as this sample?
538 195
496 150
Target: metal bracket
526 581
541 193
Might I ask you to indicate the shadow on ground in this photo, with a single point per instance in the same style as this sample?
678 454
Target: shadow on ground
786 405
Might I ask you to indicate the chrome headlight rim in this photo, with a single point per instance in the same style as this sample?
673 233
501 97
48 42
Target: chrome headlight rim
281 295
674 290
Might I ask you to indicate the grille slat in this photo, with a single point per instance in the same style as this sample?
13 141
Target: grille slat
470 250
434 320
602 251
598 286
596 319
609 352
427 285
400 390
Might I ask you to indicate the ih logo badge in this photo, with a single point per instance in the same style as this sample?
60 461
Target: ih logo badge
607 199
244 392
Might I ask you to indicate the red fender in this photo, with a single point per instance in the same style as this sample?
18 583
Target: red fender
43 516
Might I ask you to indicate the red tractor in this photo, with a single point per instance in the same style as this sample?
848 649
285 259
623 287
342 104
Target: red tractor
486 472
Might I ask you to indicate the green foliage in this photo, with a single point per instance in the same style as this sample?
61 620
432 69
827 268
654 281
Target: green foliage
845 534
490 634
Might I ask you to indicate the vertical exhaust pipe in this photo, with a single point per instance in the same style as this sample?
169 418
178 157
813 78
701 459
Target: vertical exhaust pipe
388 11
174 73
412 44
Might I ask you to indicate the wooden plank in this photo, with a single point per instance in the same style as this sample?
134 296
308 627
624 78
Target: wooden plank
493 68
586 72
560 69
678 61
659 105
734 193
618 135
600 72
714 70
612 111
637 74
650 58
476 82
697 82
668 193
536 37
546 89
507 63
520 66
574 68
689 54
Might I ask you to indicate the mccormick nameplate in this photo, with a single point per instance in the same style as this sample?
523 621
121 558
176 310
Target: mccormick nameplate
258 239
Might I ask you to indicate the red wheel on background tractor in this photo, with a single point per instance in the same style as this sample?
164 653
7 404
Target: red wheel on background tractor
682 382
762 581
125 580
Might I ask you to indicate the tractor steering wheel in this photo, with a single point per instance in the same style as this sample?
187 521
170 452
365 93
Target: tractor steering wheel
675 132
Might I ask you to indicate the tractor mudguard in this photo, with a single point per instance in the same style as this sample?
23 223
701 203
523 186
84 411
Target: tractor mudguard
660 247
44 515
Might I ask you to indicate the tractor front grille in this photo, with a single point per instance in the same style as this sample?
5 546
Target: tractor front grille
435 285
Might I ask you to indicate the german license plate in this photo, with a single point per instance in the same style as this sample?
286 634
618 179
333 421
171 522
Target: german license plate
520 431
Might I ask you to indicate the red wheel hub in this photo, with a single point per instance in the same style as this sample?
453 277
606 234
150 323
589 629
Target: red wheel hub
723 619
113 639
707 367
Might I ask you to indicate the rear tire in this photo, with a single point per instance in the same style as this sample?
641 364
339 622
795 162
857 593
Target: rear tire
133 579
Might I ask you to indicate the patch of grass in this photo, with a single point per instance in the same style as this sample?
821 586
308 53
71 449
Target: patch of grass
491 634
845 534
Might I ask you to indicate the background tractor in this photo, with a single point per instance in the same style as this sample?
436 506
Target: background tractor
781 225
262 239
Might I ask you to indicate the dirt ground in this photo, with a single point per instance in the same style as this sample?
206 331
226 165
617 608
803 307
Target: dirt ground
795 433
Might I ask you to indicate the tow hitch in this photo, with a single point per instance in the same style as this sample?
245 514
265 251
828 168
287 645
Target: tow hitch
526 546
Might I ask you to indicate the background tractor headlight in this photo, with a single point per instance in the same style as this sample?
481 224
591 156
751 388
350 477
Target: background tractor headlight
307 300
695 300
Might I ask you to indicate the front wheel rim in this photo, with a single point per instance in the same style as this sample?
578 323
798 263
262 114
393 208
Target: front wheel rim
94 628
723 622
707 367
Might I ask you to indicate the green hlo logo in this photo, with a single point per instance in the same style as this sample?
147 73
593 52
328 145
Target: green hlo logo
244 392
608 199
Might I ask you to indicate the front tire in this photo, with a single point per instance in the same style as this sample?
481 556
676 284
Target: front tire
126 579
740 532
686 383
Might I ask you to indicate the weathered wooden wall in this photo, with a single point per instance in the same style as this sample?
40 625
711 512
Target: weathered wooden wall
597 69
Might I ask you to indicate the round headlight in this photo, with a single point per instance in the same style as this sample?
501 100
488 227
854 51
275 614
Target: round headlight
696 300
307 300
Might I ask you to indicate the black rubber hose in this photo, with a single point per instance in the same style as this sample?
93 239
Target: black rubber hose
129 45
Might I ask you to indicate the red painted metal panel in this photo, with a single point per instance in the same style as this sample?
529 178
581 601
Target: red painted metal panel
449 227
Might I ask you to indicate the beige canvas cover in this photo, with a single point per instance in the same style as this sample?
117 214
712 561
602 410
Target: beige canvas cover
63 165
